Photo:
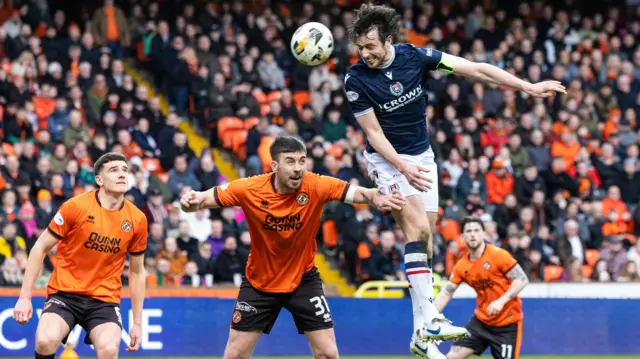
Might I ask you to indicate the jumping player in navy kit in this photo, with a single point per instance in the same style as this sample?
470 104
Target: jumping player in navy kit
387 92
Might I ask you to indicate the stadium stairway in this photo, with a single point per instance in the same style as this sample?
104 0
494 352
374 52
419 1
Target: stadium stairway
335 284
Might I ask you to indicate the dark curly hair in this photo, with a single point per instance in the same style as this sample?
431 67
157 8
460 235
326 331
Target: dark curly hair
369 17
471 219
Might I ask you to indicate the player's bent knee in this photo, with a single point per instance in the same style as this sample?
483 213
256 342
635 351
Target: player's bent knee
235 352
107 351
47 343
326 353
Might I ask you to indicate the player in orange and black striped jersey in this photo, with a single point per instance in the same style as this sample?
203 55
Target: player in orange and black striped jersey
497 279
94 232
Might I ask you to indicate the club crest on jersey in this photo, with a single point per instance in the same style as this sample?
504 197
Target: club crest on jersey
126 226
487 265
58 219
396 89
302 199
394 188
352 96
237 317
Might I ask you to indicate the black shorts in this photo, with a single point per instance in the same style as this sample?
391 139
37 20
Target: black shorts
504 341
79 309
257 311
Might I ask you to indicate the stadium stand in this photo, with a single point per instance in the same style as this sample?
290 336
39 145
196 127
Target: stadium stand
556 181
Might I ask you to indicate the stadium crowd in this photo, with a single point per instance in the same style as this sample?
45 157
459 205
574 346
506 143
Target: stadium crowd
556 181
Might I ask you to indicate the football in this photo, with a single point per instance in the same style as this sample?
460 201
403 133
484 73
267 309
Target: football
312 44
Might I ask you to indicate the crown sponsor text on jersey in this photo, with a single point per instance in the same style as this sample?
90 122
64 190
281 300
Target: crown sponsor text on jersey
103 244
402 100
281 224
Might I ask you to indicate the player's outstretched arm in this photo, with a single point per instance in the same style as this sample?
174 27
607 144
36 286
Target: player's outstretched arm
492 74
414 174
392 202
23 310
445 295
193 201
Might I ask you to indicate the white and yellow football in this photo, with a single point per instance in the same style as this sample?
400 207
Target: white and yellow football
312 44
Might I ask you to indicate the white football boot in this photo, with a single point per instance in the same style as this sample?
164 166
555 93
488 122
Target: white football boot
441 329
422 348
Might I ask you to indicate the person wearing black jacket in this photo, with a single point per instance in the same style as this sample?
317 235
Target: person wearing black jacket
230 262
254 138
527 183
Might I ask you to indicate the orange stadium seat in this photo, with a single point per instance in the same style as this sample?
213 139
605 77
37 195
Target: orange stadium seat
586 271
229 123
552 273
238 144
264 109
152 165
163 176
251 122
274 96
592 256
301 98
260 96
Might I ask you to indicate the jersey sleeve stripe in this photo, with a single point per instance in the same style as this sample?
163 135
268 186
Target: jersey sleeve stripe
510 268
54 233
138 253
363 112
215 196
344 193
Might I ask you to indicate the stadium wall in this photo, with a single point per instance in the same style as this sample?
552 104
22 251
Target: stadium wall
198 326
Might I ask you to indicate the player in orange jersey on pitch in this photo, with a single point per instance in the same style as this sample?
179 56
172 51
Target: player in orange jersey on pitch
95 232
497 279
283 211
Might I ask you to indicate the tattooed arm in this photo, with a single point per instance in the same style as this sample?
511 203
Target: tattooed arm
518 279
445 295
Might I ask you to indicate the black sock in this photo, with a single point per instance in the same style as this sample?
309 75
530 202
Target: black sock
48 356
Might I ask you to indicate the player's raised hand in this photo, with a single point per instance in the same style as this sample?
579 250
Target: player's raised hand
495 307
190 201
134 333
416 175
23 311
394 201
546 89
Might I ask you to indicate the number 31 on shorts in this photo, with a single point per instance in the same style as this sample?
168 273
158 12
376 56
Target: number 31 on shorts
320 302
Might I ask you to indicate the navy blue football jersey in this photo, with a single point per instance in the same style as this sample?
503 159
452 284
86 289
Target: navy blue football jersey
397 94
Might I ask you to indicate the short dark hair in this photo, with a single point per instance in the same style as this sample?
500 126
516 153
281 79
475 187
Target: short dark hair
286 144
369 17
471 219
106 158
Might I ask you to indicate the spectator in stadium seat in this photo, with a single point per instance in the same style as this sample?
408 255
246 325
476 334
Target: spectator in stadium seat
12 275
519 157
76 131
154 209
614 254
570 245
334 127
58 120
12 173
10 242
125 119
573 271
230 263
500 183
271 76
629 273
172 253
203 259
216 237
186 243
110 28
180 176
601 272
143 137
191 277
